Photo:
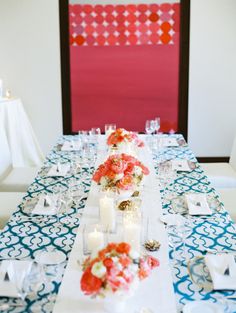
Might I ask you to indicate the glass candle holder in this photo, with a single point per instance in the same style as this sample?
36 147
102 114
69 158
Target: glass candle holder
132 229
94 238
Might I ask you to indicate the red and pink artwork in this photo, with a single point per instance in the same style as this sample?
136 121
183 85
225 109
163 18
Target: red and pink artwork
124 65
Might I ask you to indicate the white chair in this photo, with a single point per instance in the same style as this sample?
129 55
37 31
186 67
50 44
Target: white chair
9 202
13 179
228 197
222 175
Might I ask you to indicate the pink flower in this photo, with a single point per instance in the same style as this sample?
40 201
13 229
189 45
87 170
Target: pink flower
118 166
126 182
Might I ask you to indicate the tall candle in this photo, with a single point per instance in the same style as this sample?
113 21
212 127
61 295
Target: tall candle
1 89
132 234
95 240
107 213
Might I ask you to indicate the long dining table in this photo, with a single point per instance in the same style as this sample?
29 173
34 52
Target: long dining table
170 286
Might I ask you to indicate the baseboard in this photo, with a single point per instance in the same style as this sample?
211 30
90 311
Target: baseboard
212 159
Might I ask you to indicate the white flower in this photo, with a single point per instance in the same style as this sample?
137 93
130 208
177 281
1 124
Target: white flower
134 254
115 259
137 170
98 269
119 176
103 181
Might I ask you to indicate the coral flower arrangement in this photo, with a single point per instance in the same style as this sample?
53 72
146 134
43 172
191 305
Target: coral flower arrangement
120 172
116 269
121 137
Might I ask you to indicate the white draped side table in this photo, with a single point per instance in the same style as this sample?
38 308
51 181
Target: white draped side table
23 144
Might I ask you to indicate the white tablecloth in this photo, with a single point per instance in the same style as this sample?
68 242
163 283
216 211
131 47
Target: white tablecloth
24 147
155 292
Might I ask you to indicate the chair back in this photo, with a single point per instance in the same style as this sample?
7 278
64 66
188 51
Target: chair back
232 159
5 155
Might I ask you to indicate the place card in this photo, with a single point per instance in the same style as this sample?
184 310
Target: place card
8 286
58 170
168 142
197 204
71 146
222 268
180 165
45 206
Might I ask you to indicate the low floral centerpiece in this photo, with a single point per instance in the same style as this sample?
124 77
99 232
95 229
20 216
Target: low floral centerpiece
123 139
120 172
115 272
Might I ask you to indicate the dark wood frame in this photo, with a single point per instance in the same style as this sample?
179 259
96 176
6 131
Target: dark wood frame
65 66
183 66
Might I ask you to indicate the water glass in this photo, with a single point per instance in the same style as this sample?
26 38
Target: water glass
157 123
109 128
149 127
94 238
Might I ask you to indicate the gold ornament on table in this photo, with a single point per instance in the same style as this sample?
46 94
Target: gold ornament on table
152 245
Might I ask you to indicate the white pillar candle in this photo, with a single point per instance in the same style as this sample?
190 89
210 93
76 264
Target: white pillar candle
132 234
1 89
107 213
95 240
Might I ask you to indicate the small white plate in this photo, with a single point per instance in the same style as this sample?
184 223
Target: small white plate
203 307
172 219
50 258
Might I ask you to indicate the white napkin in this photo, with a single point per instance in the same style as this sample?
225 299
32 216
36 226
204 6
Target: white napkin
71 146
218 265
197 204
180 165
168 142
58 170
45 206
9 288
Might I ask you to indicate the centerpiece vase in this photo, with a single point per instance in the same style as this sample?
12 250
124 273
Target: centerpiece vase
115 304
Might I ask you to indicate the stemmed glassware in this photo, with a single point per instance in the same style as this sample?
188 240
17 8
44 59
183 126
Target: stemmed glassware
149 127
166 174
157 124
185 230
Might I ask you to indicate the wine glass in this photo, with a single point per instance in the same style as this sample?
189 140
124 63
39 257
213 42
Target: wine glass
174 240
109 128
185 228
157 124
149 127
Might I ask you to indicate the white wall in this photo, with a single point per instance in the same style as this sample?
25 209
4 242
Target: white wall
30 67
30 62
212 87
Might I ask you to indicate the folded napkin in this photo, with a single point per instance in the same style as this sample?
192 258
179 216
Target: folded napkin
9 288
46 205
180 165
168 142
71 146
222 268
197 204
58 170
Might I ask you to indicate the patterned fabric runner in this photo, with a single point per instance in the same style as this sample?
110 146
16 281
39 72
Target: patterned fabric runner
215 234
24 237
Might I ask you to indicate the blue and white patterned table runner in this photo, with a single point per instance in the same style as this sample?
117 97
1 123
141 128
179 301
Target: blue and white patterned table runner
24 238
